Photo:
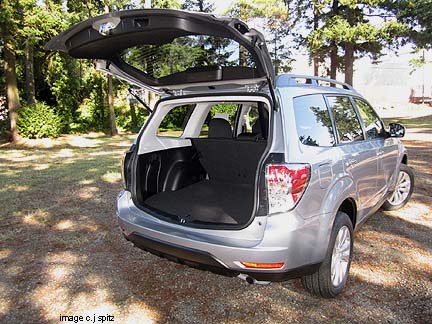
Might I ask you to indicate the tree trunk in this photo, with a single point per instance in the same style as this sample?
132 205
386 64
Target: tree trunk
349 51
12 93
315 55
334 60
29 74
349 63
134 119
315 65
112 117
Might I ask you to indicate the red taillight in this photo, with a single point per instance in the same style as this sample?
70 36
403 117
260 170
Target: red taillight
285 185
263 265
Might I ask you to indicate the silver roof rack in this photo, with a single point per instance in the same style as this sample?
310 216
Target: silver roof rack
292 80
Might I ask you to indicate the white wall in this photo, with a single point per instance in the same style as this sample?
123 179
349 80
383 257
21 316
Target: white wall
389 82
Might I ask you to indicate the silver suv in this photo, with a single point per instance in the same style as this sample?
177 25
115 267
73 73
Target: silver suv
238 171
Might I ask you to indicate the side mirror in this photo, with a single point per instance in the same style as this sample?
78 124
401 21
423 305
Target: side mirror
396 130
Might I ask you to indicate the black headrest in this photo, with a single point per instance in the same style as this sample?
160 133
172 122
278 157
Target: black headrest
256 128
219 128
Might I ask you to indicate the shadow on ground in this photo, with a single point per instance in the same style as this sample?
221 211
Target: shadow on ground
61 253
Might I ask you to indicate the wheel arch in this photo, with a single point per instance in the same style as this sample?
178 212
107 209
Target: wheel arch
349 207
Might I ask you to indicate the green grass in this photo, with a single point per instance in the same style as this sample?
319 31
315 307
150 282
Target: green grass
37 178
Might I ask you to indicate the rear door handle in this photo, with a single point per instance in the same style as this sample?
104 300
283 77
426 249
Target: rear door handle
380 152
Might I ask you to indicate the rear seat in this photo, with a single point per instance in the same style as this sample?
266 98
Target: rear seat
226 159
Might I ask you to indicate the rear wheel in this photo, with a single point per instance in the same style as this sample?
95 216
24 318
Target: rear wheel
332 275
403 190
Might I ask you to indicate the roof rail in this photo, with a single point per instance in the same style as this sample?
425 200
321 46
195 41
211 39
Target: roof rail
291 80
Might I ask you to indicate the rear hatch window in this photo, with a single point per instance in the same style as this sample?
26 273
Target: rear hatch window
165 50
189 53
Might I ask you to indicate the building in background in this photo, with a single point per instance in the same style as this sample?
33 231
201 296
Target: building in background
391 81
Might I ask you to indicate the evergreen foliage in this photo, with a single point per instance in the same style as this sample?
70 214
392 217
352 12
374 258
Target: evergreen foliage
74 95
39 121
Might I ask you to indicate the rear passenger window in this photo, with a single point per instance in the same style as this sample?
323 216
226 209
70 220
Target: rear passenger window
175 121
346 120
225 111
373 125
314 127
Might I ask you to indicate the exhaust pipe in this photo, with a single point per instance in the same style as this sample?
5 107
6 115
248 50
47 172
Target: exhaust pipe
251 280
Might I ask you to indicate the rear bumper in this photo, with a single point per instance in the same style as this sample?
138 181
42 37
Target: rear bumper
265 240
205 261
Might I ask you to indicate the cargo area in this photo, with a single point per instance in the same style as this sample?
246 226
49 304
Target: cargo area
213 181
207 201
210 166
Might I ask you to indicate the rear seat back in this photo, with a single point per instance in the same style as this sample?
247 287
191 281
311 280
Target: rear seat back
226 159
230 160
257 132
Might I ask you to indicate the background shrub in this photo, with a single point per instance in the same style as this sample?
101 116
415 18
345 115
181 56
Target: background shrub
4 122
38 121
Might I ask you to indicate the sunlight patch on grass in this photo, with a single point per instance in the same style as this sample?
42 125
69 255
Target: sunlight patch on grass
111 177
68 290
36 218
41 166
13 154
79 141
94 303
86 181
414 212
125 144
87 192
4 302
421 260
91 227
375 274
64 153
15 188
59 272
19 157
103 153
21 188
4 253
136 314
65 224
65 257
96 135
9 173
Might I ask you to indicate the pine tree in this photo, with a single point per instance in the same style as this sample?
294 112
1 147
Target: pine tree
198 5
345 27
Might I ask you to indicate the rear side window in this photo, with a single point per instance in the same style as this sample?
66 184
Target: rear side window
346 120
249 119
314 127
373 125
225 111
175 121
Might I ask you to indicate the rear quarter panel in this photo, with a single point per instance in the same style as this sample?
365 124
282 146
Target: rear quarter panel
329 183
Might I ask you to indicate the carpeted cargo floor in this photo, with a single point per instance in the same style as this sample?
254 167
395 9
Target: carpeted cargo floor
207 201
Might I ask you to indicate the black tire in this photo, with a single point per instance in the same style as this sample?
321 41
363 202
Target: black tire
389 206
320 282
